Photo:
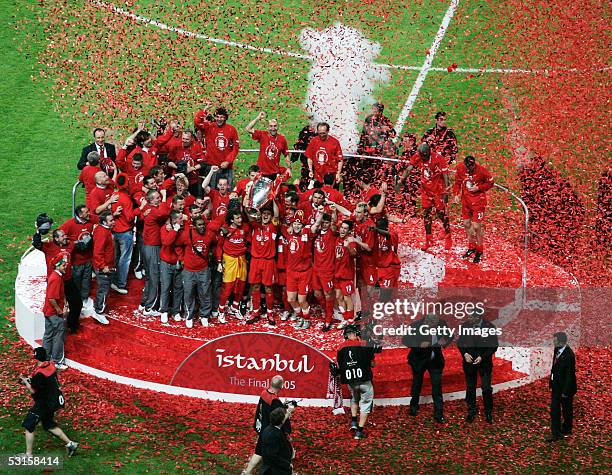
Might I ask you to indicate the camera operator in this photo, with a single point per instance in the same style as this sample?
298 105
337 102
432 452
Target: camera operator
269 401
48 398
355 360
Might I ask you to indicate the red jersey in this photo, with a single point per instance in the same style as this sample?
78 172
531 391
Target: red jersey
270 150
344 261
432 173
50 249
366 195
325 155
196 248
98 197
367 236
87 177
154 218
263 240
193 155
167 141
55 291
235 243
219 203
76 231
222 143
104 248
324 258
168 252
472 187
386 250
299 251
125 221
240 188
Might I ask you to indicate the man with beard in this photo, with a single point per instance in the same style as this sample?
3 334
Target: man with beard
271 146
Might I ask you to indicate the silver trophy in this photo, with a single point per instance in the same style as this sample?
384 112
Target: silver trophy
258 194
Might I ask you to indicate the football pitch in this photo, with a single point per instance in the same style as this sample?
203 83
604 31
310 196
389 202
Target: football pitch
509 74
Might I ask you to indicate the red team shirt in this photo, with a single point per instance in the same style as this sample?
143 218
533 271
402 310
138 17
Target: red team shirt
432 171
325 155
196 248
387 260
55 291
76 232
263 240
344 274
193 155
104 248
222 143
270 150
473 201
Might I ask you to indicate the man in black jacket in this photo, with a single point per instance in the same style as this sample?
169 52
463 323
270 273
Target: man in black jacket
426 340
477 344
106 150
563 387
277 451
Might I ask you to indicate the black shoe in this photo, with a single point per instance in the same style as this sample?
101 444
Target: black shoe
326 328
271 321
243 307
554 438
440 419
470 417
414 410
489 417
477 257
253 319
358 316
468 253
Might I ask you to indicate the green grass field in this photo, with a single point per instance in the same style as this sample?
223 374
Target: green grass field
67 66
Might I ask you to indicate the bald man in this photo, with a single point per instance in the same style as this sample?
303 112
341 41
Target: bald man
102 197
271 146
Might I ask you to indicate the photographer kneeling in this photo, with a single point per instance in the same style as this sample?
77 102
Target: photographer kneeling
48 398
268 401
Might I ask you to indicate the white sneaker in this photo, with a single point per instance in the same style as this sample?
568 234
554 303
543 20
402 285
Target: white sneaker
285 315
100 318
204 321
234 312
138 274
342 324
151 313
119 290
71 448
87 312
189 323
164 317
141 308
305 324
215 314
293 317
298 323
88 303
61 366
177 317
221 318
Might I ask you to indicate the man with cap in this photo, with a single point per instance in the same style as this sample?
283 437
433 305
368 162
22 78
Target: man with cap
435 185
54 310
472 181
44 388
477 344
355 361
426 339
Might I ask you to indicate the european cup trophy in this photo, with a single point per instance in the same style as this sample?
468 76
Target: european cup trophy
258 194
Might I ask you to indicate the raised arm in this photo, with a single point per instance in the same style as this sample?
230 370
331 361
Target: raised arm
250 128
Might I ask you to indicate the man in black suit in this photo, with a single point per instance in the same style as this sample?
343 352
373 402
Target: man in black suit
426 340
477 344
277 451
563 387
106 150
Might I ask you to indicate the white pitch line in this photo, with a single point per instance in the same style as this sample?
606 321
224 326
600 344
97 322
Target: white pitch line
291 54
416 88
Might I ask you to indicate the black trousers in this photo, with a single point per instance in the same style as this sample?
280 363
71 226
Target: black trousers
561 405
73 296
436 389
471 373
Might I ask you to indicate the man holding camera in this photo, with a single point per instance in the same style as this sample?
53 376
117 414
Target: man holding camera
48 398
355 360
268 402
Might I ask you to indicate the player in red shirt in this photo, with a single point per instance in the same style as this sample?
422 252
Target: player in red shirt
367 272
104 262
80 229
222 144
387 261
472 182
344 276
54 310
87 175
435 186
324 264
230 251
241 187
219 197
188 159
324 155
102 196
195 242
271 146
171 279
262 270
299 270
